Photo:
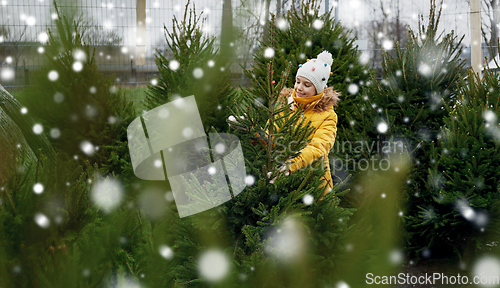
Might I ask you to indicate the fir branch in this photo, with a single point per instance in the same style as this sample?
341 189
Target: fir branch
10 200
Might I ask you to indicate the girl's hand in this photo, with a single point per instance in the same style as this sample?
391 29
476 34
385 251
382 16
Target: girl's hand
281 168
231 120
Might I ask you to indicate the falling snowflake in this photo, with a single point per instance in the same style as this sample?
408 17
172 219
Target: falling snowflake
489 116
287 242
42 220
212 170
282 24
187 132
7 74
158 163
220 148
30 20
38 188
318 24
38 129
353 88
24 110
382 127
269 52
166 252
58 97
107 194
388 45
43 37
364 58
154 82
169 196
87 148
198 73
308 199
55 133
425 69
487 267
53 75
174 65
249 180
211 63
90 111
342 284
79 55
213 265
152 202
426 253
308 43
108 25
77 66
396 257
464 209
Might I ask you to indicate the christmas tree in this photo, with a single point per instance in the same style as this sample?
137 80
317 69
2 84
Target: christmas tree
403 112
300 34
193 67
461 212
80 110
249 226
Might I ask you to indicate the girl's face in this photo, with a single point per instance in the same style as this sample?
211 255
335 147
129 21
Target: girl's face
304 87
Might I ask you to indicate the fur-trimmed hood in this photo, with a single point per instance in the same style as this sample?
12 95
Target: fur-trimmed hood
330 98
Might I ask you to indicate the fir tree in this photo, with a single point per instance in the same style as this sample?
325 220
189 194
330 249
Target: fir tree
248 226
461 213
193 67
81 111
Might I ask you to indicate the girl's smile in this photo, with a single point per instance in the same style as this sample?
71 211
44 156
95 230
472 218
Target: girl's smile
304 87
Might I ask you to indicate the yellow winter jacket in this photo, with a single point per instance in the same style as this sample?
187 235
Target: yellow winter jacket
324 119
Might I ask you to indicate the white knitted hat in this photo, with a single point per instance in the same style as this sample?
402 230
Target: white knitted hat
317 70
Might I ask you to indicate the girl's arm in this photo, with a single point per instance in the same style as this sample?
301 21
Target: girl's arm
320 145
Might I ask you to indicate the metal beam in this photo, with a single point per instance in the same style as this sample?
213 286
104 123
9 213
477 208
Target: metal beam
475 27
140 42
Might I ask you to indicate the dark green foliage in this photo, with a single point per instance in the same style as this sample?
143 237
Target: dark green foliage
80 246
83 105
196 56
413 98
462 205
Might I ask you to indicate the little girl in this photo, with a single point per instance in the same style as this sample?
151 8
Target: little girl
311 94
315 99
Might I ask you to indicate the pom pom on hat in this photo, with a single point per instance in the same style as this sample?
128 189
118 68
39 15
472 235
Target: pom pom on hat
326 57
